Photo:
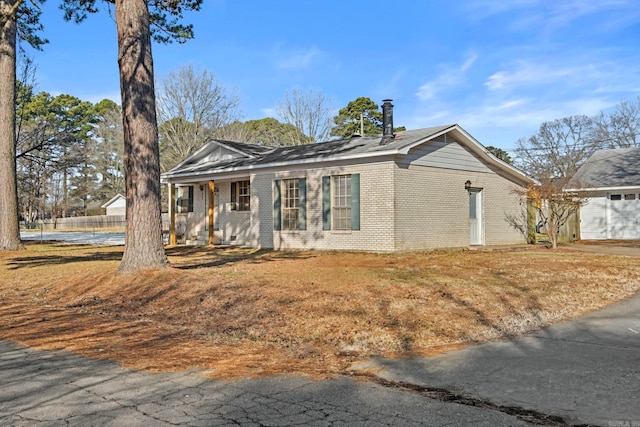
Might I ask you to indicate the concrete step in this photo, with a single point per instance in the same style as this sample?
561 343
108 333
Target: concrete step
195 242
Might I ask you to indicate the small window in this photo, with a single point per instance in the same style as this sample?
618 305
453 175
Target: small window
241 196
473 205
184 199
629 196
615 197
291 204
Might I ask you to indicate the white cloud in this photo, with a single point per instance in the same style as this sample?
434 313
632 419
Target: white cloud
298 60
469 62
449 76
268 112
481 9
526 73
548 16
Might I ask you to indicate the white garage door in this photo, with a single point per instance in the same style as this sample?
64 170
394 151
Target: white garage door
614 216
593 219
623 216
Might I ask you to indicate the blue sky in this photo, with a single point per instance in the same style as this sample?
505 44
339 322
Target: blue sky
499 68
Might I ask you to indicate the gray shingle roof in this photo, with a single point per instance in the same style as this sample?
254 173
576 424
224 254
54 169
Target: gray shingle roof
331 150
609 168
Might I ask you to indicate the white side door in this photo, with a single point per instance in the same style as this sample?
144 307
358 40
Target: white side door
476 236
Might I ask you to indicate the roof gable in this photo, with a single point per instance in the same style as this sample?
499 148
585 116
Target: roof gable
113 200
218 152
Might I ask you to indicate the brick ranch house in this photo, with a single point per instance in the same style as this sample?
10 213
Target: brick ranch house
419 189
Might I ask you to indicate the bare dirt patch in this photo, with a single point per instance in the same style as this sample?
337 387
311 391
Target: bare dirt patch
237 313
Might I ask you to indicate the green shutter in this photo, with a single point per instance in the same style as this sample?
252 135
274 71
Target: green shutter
175 200
302 212
355 201
190 200
277 201
326 203
234 196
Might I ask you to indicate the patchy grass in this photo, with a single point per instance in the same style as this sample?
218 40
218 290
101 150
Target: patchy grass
236 312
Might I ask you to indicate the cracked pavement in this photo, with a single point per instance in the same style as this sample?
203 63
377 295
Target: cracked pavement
43 388
585 371
582 372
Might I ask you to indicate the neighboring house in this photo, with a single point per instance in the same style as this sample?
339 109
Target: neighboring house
421 189
611 178
116 206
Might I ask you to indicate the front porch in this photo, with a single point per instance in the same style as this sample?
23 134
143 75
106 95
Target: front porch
209 213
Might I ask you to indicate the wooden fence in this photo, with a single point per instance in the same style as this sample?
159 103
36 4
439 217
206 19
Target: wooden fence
78 223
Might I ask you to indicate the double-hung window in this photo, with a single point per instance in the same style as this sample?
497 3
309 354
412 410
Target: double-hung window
241 196
341 202
184 199
341 206
290 204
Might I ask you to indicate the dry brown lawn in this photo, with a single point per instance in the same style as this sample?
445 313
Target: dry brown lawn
237 313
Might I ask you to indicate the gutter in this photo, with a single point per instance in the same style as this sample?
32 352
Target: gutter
385 153
607 189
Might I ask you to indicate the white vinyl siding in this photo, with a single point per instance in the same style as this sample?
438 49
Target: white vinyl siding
446 155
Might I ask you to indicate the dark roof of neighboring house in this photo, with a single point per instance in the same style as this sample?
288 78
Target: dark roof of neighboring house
618 167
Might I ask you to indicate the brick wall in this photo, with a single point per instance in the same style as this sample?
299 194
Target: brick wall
401 208
376 211
432 208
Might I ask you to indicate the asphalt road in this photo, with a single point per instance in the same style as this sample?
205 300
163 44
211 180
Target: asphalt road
98 238
585 371
58 389
582 372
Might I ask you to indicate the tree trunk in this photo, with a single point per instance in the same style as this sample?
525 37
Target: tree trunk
9 226
143 231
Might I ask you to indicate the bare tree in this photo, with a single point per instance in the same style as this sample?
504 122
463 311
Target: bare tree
310 112
621 128
191 106
557 149
554 207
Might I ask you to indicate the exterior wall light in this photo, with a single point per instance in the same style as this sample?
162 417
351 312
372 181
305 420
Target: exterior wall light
467 185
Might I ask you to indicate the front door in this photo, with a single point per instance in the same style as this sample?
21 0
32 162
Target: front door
475 217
